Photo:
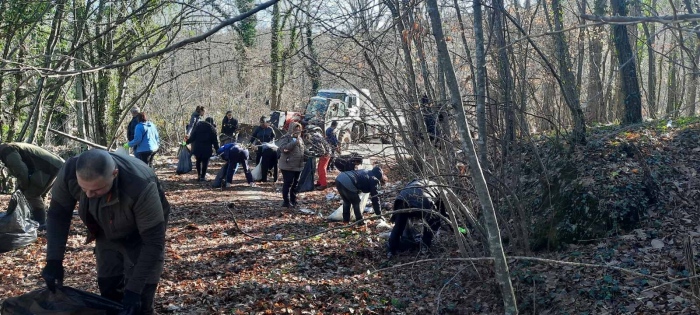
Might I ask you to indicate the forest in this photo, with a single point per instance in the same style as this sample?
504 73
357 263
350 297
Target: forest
566 133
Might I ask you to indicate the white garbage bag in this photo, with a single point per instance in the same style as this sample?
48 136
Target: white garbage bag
257 172
337 215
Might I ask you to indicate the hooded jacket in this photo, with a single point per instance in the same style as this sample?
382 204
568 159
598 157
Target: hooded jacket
146 137
292 151
32 166
318 145
204 140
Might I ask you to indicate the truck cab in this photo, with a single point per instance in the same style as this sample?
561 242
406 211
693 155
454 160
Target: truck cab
344 106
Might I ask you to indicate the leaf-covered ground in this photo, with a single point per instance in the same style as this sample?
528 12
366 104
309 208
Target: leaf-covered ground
214 268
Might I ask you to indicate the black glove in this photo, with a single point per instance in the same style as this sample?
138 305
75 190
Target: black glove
53 274
131 303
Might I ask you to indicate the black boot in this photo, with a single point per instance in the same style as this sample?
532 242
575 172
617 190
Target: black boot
293 199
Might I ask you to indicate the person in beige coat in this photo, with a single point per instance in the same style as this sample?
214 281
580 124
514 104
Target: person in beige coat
291 163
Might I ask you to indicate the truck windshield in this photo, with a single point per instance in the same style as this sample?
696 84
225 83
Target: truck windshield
316 107
333 95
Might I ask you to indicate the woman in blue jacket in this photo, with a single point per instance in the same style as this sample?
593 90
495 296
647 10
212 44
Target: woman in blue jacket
146 140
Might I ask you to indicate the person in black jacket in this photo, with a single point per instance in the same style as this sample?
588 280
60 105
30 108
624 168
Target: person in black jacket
351 183
123 206
269 161
418 194
235 155
131 129
204 141
262 134
229 125
196 117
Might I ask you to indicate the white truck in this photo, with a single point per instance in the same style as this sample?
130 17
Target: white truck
350 108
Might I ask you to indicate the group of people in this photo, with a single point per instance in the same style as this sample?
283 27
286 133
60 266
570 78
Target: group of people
123 205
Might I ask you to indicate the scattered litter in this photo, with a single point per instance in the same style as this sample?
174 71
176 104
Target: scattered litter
307 211
330 196
384 225
657 243
278 236
172 307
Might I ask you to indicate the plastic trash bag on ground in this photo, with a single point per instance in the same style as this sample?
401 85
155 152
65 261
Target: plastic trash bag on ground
257 172
66 301
337 215
184 160
17 229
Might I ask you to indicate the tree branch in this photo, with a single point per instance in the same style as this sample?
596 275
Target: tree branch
180 44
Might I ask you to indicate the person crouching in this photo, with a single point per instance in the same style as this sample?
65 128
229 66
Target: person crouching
418 194
351 183
235 154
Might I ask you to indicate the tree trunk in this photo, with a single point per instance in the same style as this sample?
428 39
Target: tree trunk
570 88
628 67
480 56
672 87
504 76
399 17
313 70
491 223
36 111
649 32
275 56
695 59
594 94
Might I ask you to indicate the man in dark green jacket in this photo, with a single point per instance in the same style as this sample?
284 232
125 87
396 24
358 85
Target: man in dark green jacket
35 169
124 208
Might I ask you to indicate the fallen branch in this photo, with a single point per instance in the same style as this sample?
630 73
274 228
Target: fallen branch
74 138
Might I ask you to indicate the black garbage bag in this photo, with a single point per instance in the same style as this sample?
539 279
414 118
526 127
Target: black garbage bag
17 229
347 162
66 301
306 180
184 160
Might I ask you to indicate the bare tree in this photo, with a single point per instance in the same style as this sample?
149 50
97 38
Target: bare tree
491 223
632 98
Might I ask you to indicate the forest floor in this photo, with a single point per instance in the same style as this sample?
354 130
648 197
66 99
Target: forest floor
289 267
